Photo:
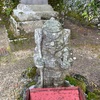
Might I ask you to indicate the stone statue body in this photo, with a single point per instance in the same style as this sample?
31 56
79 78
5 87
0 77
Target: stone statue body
55 52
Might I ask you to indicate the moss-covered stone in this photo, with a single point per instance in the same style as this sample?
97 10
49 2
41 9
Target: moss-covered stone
76 82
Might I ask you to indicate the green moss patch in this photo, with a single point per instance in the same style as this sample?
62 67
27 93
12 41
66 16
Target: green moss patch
76 82
81 82
31 72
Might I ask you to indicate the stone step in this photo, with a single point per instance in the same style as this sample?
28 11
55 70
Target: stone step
32 16
33 12
25 27
4 42
25 7
26 18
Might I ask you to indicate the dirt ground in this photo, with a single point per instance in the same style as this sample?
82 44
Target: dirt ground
11 68
85 43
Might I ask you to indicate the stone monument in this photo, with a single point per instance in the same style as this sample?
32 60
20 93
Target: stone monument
52 54
34 2
29 15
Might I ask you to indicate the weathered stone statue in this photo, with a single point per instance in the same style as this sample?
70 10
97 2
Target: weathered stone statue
52 54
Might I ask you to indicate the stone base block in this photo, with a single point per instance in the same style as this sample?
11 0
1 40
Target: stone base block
26 18
20 28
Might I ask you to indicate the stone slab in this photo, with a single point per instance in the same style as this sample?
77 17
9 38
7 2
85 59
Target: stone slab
33 12
24 7
20 28
32 16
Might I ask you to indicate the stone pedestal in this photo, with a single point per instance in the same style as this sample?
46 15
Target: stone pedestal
26 18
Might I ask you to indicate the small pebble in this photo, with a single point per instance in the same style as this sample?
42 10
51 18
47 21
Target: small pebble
74 58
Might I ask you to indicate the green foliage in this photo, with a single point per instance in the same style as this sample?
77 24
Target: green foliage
76 82
84 13
55 3
75 15
90 10
9 6
8 11
6 7
60 7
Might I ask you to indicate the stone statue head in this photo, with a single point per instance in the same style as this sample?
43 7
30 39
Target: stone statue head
52 28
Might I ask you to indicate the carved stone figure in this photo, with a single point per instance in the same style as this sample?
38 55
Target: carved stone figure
52 54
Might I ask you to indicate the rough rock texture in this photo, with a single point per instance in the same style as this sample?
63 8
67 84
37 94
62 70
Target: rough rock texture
52 52
32 16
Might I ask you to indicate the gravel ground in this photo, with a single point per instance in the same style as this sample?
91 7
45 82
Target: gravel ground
11 67
87 63
85 43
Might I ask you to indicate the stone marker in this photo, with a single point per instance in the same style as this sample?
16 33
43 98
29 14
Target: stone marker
52 53
34 2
